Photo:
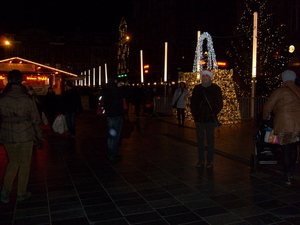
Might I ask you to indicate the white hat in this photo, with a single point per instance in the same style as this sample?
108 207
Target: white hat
288 75
207 72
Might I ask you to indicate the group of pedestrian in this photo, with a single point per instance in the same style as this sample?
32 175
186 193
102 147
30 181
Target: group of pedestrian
21 121
21 127
206 102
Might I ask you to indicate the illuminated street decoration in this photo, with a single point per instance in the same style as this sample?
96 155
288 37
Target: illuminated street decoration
123 49
230 113
199 56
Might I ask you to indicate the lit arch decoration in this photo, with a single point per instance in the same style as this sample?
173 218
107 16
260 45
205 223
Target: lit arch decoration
211 56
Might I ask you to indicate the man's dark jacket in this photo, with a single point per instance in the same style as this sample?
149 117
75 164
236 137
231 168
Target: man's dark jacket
71 101
199 106
113 100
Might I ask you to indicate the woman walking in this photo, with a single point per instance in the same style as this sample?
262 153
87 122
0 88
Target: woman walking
179 102
285 104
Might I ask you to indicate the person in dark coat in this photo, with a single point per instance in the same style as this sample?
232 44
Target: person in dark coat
71 105
20 127
50 105
114 110
138 99
206 103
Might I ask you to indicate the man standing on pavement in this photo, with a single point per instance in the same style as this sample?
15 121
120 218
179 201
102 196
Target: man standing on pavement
114 111
21 125
206 103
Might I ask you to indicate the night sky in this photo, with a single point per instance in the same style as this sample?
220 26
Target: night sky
58 15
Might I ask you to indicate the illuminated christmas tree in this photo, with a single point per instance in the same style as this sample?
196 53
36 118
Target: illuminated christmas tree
272 52
223 78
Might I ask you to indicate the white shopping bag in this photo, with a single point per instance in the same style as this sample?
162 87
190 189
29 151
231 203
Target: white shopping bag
44 119
60 124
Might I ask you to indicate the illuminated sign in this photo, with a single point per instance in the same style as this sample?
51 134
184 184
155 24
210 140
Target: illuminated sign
17 66
42 78
221 64
146 68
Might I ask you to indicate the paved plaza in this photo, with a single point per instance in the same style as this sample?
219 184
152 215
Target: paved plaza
157 182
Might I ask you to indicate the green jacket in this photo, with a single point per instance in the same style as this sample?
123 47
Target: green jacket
20 119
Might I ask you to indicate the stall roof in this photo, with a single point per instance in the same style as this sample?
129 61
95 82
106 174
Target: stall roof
21 60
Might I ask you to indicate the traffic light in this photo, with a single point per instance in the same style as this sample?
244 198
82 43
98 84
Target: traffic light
146 68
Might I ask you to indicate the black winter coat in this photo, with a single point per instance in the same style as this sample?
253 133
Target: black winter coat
200 108
71 101
113 100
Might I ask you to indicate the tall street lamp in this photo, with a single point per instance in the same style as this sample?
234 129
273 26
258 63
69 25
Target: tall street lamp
254 62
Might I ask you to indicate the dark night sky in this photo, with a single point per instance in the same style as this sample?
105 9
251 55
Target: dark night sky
58 15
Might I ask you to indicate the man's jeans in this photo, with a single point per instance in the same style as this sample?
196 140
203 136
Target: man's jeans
208 130
70 120
114 125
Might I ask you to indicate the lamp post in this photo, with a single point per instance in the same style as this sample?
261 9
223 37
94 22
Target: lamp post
166 67
142 66
254 62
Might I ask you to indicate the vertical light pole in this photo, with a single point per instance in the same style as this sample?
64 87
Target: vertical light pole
89 77
105 67
198 55
99 75
142 66
94 77
254 63
84 78
166 67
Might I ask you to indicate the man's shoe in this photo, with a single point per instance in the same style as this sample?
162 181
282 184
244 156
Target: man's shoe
200 164
115 157
23 197
5 195
287 178
209 165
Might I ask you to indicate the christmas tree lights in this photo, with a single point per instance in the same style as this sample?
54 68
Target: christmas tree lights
272 52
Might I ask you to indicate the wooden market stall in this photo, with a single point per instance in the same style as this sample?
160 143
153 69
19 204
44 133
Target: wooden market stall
36 75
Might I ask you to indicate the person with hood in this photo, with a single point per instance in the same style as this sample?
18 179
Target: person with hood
206 103
20 127
179 102
284 102
114 111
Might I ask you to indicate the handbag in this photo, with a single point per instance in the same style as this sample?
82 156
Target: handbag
60 124
44 119
271 138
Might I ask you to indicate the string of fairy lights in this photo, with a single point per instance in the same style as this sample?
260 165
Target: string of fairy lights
199 54
272 52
